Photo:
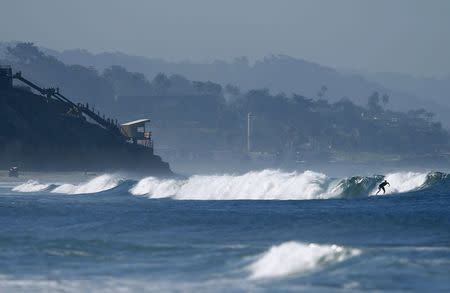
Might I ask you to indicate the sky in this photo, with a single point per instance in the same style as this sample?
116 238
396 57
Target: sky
408 36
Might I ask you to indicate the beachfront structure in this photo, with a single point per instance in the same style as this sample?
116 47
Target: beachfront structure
138 132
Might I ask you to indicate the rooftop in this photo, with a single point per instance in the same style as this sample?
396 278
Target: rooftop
136 122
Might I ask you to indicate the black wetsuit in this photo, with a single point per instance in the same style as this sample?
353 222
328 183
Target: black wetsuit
382 185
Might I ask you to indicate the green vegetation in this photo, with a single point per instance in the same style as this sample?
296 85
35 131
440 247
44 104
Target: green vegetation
196 117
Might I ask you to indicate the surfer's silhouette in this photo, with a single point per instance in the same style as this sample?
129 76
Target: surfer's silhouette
381 187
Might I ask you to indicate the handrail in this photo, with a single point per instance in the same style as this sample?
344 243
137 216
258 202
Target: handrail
52 92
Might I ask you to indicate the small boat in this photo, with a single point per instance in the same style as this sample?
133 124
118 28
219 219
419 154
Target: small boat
13 172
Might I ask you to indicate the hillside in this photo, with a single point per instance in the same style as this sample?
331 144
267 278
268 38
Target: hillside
37 133
434 88
278 74
202 120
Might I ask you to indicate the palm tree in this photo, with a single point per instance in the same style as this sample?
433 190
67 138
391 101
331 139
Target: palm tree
322 91
385 99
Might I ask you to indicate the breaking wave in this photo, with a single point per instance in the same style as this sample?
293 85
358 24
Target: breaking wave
31 186
98 184
256 185
274 184
267 184
293 257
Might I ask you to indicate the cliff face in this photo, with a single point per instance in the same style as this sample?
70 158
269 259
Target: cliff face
40 134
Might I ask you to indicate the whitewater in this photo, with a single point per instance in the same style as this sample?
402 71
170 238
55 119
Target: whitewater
261 231
294 257
255 185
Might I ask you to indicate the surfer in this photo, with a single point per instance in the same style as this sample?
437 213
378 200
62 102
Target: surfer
381 187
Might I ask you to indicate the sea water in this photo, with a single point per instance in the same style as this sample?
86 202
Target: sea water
265 230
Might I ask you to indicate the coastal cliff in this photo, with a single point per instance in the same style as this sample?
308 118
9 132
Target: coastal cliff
42 134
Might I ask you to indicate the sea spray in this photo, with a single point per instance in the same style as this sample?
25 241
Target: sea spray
404 182
157 188
266 184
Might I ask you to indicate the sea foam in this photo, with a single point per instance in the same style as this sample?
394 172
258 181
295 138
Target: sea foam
294 257
255 185
97 184
404 182
266 184
274 184
31 186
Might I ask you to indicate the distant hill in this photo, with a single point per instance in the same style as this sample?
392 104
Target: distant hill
204 120
284 74
436 89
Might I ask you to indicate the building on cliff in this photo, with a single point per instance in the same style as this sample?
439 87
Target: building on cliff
138 132
44 130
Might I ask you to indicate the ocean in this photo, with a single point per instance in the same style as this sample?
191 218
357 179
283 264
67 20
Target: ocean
261 231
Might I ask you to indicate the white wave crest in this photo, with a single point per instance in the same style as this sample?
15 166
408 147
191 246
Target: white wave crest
266 184
296 258
403 182
157 188
256 185
31 186
97 184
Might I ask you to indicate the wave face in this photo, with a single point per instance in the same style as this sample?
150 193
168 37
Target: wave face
293 257
31 186
358 185
98 184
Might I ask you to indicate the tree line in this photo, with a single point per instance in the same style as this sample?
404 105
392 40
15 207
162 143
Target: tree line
203 115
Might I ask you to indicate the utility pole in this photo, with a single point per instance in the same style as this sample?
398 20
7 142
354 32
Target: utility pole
249 131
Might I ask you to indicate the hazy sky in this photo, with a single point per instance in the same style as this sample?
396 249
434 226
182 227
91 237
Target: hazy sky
410 36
